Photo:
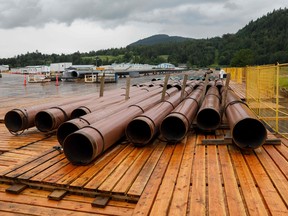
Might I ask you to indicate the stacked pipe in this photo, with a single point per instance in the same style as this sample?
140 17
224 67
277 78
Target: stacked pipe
92 106
143 128
208 117
50 119
68 127
84 145
175 126
20 119
247 131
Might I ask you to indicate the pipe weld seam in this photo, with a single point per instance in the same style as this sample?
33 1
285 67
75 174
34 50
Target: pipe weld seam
80 107
88 126
192 98
84 120
135 105
212 94
144 116
62 110
234 102
170 103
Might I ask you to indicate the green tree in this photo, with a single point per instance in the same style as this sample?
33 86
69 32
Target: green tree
242 58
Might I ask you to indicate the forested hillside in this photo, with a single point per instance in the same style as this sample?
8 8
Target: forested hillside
263 41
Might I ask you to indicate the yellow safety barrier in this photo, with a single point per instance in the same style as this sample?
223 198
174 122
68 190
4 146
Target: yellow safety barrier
266 93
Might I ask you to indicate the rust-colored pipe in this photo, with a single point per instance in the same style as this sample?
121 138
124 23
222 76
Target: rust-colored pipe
84 145
50 119
247 131
92 107
208 117
219 84
143 128
175 126
73 125
20 119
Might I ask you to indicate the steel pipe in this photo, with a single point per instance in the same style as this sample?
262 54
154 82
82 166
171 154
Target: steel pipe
92 107
247 131
143 128
208 117
84 145
50 119
175 126
20 119
68 127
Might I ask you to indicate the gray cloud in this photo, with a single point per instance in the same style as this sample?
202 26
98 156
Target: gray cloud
37 13
83 25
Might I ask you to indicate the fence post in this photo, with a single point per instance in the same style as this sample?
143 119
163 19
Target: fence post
277 98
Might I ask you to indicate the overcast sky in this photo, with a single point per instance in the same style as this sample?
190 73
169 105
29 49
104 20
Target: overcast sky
68 26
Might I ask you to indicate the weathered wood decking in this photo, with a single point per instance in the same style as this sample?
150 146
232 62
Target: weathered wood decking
187 178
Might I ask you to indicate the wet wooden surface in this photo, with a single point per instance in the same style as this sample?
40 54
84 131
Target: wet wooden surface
159 179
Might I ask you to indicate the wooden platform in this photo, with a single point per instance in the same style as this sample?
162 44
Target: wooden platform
185 178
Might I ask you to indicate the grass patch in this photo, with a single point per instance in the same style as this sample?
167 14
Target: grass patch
283 82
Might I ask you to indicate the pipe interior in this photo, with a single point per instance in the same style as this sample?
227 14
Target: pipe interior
173 129
78 149
43 121
249 133
138 132
74 74
65 130
13 121
77 113
208 119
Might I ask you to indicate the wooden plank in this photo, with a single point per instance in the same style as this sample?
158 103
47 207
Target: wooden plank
140 182
108 169
26 209
276 176
147 199
30 165
164 196
74 174
232 192
121 169
97 166
179 203
198 191
38 169
216 201
31 159
59 173
283 150
281 162
51 170
100 201
42 206
268 191
128 178
16 189
253 199
57 195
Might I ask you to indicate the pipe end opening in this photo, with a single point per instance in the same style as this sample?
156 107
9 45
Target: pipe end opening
173 129
139 132
43 121
249 133
78 149
77 113
208 119
13 121
65 130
